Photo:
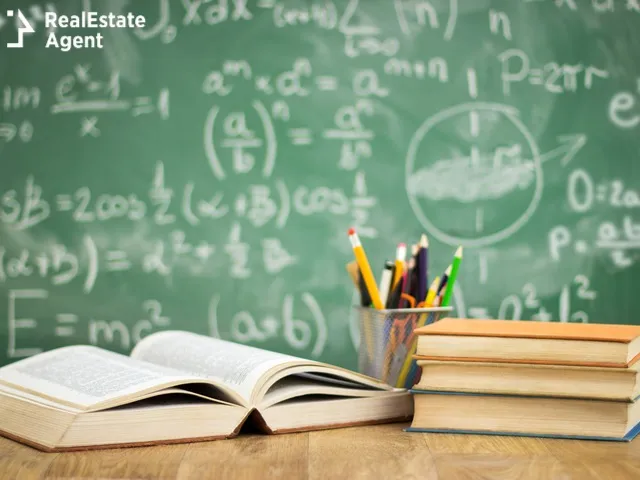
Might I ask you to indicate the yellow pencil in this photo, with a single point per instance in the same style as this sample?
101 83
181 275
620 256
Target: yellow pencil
431 295
401 255
365 269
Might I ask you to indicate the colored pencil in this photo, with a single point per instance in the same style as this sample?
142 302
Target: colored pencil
413 291
410 281
401 254
431 295
403 285
443 280
455 266
422 273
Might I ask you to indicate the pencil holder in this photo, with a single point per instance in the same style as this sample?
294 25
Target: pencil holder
387 342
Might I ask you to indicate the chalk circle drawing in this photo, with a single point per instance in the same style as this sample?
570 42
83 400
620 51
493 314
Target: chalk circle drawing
473 174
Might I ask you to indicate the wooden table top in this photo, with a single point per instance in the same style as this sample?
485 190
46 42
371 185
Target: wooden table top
383 451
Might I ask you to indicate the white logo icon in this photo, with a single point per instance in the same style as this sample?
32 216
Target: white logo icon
24 28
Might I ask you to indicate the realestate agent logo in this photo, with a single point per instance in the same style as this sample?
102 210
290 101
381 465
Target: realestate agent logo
25 27
58 26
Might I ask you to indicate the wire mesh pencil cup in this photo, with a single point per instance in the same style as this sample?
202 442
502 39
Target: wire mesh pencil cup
387 342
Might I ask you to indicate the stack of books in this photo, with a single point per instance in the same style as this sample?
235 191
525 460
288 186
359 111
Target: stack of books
528 378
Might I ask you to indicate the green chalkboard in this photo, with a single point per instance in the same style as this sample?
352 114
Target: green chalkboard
201 172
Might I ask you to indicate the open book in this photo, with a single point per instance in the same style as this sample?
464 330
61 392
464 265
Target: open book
179 387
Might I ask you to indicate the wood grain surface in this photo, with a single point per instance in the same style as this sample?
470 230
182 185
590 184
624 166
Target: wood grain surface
384 451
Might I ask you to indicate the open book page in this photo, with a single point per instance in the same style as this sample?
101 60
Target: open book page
240 367
299 386
84 376
29 397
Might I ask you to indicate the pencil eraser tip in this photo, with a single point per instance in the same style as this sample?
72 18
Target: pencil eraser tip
352 231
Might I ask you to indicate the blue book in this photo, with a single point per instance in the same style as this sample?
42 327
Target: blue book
534 416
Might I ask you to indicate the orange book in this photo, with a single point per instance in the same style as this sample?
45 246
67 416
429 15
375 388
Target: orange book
582 344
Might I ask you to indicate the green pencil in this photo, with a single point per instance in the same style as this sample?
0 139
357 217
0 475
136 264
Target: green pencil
457 258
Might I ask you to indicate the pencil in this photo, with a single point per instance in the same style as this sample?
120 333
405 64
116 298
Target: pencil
352 268
385 281
431 295
402 284
401 254
365 298
443 280
394 295
423 253
365 269
410 282
455 265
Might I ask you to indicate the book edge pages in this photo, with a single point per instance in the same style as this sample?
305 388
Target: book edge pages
48 449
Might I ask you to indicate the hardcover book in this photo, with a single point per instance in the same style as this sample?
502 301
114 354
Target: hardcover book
583 344
181 387
449 412
530 379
